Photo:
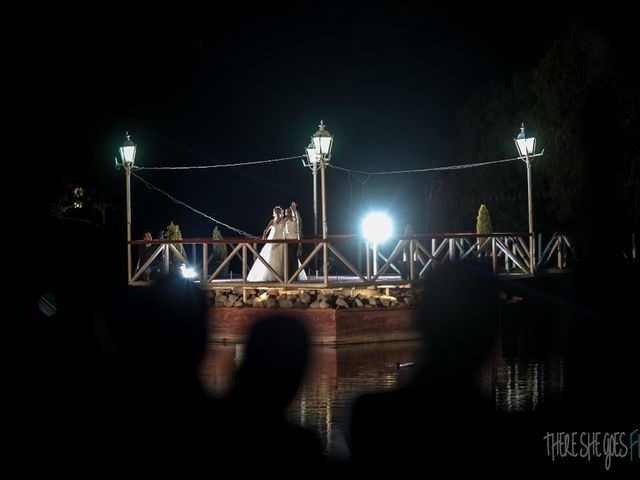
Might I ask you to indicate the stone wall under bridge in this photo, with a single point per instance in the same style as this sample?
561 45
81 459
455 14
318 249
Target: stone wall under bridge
333 317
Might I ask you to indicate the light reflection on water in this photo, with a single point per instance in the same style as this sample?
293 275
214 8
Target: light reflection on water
338 375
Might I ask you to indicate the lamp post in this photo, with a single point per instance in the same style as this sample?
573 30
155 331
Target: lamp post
312 161
127 157
526 147
323 141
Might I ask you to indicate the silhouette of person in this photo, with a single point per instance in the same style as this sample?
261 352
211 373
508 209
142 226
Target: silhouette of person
144 253
599 393
164 405
68 351
439 420
251 419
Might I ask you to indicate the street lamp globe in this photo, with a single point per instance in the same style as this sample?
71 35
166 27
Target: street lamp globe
128 151
526 146
323 141
312 156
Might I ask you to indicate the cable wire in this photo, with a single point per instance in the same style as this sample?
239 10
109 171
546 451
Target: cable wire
150 186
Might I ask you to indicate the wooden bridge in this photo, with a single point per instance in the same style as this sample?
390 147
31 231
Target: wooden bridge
344 261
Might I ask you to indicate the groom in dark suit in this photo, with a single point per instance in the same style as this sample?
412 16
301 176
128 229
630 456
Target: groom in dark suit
291 233
298 219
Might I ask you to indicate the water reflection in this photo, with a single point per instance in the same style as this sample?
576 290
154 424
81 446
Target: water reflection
517 377
338 376
516 382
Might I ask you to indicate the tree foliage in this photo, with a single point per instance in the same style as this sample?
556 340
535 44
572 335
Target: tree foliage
585 114
483 222
80 203
173 233
218 250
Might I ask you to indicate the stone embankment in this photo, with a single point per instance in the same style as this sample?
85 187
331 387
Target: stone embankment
315 299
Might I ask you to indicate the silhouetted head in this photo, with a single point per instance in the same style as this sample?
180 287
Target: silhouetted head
275 361
601 355
72 299
169 325
460 314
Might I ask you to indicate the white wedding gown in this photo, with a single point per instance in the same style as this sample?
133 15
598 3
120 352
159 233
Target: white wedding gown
273 254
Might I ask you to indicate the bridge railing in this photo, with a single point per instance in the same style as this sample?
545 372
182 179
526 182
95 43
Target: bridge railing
347 260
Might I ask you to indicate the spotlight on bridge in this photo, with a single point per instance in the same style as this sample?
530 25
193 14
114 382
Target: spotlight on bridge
377 227
187 272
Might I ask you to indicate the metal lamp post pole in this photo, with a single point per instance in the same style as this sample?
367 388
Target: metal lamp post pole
128 157
315 210
375 258
532 243
325 269
127 168
527 146
322 141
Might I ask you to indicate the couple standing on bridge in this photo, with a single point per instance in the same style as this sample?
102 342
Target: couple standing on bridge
285 225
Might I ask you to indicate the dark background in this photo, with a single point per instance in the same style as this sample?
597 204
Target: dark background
200 84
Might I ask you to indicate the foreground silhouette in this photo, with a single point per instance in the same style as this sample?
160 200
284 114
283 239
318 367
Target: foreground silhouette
250 423
439 421
600 396
163 405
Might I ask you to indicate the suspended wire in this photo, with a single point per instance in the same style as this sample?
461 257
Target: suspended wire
351 173
199 167
179 202
363 184
433 169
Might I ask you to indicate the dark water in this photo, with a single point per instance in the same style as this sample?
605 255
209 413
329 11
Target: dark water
524 370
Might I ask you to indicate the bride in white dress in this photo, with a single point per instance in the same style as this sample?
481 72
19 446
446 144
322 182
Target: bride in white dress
273 253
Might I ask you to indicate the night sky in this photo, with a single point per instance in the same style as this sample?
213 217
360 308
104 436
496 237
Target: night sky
197 85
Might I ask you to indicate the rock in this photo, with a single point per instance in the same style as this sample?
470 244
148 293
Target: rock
340 302
271 303
320 304
305 298
257 303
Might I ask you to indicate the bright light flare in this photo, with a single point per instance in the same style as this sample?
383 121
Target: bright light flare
188 272
377 227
